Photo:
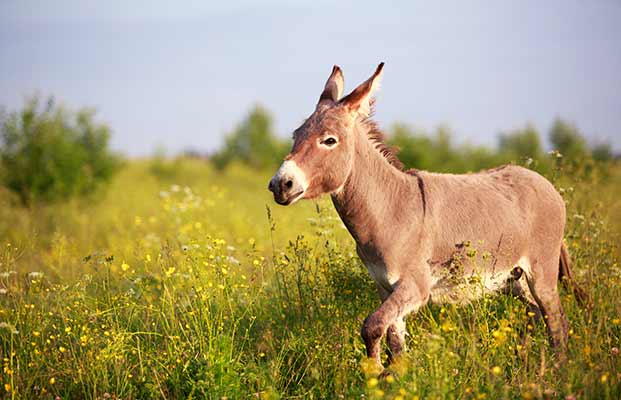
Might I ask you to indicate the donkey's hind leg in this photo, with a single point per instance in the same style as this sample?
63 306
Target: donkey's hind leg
519 289
542 282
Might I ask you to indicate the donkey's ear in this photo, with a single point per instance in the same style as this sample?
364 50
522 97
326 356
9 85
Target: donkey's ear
334 86
360 100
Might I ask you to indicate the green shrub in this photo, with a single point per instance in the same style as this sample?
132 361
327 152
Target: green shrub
567 139
437 152
253 143
48 153
602 152
164 168
521 143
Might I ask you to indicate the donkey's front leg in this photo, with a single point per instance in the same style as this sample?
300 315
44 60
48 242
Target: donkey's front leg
395 337
407 297
395 334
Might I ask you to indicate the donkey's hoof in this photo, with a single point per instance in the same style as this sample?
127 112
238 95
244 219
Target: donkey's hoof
371 367
560 361
387 375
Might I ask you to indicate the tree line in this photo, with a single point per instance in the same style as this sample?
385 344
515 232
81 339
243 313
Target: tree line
255 143
50 153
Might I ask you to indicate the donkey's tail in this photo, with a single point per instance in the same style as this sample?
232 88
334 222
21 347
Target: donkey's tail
567 278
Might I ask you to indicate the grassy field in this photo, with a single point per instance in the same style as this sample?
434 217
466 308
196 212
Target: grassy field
188 283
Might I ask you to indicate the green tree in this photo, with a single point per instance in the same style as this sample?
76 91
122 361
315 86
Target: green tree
252 142
415 150
602 152
49 153
437 152
521 143
566 138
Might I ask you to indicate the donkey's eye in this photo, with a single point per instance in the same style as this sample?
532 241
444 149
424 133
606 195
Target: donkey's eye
329 141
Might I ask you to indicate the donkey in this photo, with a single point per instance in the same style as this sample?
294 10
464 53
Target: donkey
414 230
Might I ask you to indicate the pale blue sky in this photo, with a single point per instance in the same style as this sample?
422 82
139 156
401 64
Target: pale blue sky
182 74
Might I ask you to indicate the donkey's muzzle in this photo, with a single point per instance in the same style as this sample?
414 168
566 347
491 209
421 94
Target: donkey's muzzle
285 191
287 185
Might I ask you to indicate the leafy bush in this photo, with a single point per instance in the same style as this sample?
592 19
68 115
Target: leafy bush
521 143
252 142
437 152
162 167
602 152
48 153
566 138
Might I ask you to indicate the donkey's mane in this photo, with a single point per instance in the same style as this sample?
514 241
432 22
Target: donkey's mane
377 137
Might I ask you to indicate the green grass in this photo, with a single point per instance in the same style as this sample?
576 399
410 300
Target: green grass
184 285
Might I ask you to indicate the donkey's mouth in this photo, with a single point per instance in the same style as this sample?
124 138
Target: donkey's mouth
289 199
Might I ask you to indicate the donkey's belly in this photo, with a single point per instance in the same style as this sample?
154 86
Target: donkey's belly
464 289
381 275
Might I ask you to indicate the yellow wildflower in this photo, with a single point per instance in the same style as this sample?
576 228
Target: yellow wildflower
371 383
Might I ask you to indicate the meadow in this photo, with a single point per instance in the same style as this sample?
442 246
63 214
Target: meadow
181 281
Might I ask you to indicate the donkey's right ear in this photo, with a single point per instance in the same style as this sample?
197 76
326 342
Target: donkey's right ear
334 87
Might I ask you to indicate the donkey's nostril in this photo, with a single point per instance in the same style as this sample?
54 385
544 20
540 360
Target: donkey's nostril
289 184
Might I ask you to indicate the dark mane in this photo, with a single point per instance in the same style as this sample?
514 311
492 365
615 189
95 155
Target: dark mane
376 136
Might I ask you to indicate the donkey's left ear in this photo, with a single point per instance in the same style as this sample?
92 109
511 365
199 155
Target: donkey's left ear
333 90
360 100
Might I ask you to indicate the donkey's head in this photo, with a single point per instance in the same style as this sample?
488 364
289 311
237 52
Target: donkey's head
323 147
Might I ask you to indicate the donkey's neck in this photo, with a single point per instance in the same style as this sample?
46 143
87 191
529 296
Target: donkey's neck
375 195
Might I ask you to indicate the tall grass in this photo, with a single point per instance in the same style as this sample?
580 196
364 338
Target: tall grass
191 288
